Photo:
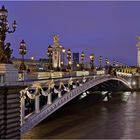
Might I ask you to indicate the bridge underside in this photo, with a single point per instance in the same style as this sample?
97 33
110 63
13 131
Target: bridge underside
110 85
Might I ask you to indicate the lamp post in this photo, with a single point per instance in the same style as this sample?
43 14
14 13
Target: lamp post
106 65
69 59
114 63
50 53
22 51
63 57
106 61
91 57
100 61
82 59
5 51
77 66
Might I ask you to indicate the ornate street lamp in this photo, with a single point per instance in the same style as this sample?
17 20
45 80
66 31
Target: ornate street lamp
22 51
82 59
100 61
77 66
107 67
106 61
69 59
63 57
91 57
50 53
5 51
114 63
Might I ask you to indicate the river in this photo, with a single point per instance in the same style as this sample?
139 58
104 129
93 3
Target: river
93 118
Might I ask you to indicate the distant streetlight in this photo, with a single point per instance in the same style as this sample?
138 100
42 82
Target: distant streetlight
78 66
82 59
5 51
61 62
106 61
69 59
22 51
117 64
114 63
50 53
63 57
32 58
100 61
91 57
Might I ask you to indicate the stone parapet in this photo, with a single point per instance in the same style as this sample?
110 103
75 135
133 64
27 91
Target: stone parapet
8 75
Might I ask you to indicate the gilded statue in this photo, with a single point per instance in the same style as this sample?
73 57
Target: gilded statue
56 40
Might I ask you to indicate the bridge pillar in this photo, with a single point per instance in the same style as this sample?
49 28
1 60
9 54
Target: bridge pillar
22 105
135 81
59 95
49 99
138 52
37 104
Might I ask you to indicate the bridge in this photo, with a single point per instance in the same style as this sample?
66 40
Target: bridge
40 100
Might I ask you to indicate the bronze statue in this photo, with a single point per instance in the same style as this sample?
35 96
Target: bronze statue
8 52
5 54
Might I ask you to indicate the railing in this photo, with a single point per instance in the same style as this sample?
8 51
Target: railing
31 81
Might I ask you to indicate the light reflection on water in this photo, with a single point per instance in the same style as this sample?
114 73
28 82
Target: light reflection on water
118 118
125 96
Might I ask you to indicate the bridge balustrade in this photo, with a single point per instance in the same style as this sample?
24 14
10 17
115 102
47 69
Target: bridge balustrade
33 96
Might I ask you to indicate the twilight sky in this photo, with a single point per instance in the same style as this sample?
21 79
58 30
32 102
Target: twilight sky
99 27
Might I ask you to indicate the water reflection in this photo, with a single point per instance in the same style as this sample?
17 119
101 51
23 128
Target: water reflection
125 96
93 118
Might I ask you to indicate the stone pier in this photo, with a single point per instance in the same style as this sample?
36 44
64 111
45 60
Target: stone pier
10 112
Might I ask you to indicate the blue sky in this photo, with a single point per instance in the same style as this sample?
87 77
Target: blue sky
107 28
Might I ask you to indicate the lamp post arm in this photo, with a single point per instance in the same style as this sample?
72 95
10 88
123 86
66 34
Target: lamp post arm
11 31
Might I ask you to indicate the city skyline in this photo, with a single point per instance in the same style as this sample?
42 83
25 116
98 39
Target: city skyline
103 28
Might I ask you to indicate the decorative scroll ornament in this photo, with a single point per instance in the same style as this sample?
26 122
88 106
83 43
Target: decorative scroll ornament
56 91
77 83
52 84
61 85
66 89
30 95
74 86
84 80
22 94
45 93
70 82
37 87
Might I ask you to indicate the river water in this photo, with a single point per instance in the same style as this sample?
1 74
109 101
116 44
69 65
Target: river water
93 118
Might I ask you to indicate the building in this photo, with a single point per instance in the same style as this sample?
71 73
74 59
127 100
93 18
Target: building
75 61
56 53
76 58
